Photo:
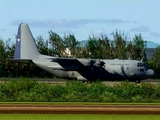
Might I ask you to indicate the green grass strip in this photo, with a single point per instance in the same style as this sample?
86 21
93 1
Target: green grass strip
76 117
79 103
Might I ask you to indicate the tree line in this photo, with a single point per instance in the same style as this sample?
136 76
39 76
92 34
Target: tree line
120 45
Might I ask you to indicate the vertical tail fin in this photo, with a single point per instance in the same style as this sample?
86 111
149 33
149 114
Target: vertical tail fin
26 47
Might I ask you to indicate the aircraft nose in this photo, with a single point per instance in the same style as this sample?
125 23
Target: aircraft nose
149 72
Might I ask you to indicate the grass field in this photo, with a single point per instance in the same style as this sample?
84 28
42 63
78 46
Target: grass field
79 103
76 117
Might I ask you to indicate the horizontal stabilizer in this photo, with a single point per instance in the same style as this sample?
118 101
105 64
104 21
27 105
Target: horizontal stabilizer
20 60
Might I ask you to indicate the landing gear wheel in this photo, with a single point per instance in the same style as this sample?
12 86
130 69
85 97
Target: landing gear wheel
84 81
137 81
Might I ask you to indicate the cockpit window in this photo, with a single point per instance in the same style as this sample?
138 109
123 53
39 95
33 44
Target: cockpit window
141 70
140 65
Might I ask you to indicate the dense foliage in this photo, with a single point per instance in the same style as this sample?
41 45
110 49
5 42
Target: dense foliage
74 91
99 47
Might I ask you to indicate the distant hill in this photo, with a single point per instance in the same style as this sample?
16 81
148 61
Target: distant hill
149 44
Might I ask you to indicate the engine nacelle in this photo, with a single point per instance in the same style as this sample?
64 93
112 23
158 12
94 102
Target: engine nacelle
99 63
81 78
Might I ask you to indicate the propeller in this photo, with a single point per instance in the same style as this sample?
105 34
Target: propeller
92 62
96 63
123 71
100 64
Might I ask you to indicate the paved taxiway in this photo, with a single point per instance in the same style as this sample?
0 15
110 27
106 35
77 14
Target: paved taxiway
63 81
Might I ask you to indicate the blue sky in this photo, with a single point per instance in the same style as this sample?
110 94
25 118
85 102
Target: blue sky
81 17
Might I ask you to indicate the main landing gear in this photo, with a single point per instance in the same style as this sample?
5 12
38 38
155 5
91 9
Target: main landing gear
138 81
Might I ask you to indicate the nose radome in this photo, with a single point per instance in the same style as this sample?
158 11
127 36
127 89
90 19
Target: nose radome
149 72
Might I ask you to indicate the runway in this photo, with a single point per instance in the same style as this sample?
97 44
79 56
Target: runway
107 82
63 81
78 109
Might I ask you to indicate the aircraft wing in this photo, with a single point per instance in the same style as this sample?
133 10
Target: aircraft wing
64 59
75 63
72 63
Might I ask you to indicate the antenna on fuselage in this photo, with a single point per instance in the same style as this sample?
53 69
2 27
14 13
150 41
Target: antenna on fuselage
129 57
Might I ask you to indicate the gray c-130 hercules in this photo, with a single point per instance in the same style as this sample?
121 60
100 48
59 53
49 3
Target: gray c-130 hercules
78 68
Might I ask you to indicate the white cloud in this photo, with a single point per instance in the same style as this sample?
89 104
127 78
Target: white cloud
141 28
2 30
64 31
67 23
155 34
134 22
97 31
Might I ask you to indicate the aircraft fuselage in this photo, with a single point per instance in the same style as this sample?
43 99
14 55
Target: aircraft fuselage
112 70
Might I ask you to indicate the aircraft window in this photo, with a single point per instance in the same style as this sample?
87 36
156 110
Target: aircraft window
140 65
141 70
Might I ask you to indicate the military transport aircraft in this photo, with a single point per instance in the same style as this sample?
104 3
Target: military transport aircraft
78 68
